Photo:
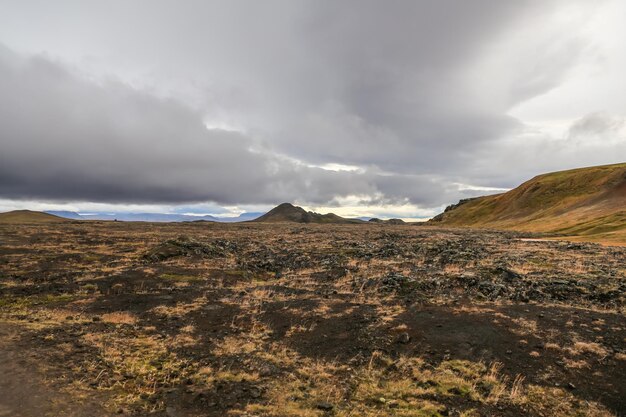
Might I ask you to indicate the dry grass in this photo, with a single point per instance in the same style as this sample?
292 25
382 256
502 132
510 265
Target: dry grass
576 364
557 402
581 348
375 392
133 368
180 309
119 317
552 346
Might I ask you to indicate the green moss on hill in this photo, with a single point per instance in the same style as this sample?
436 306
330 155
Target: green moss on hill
587 202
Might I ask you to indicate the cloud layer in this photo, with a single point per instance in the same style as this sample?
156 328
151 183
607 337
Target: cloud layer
74 139
108 103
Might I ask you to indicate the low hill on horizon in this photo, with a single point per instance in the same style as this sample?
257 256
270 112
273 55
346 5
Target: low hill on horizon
29 216
287 212
584 204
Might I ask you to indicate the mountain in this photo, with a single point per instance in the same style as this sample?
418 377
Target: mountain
65 214
289 213
28 216
147 217
152 217
585 203
243 217
388 221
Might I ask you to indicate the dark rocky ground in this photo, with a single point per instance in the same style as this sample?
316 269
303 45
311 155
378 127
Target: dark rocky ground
317 320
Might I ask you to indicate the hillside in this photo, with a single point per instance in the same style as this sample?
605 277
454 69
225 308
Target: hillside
286 212
584 204
28 216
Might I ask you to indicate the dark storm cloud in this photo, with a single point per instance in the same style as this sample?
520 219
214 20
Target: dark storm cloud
67 138
64 137
407 90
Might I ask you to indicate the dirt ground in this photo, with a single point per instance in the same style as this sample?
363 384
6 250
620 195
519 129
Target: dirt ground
205 319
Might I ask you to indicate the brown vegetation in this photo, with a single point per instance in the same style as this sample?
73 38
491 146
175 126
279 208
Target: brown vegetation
205 319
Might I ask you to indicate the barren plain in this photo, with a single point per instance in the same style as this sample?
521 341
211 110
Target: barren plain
252 319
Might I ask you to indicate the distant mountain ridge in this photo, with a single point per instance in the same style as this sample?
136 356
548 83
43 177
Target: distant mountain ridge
152 217
298 215
65 214
287 212
587 202
243 217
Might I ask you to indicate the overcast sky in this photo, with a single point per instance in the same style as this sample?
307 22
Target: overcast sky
387 108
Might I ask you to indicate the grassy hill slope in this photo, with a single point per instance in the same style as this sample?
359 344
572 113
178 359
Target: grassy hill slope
28 216
584 203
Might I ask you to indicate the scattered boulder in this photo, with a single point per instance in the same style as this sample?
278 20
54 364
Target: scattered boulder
324 406
403 338
186 246
490 289
394 282
269 260
506 274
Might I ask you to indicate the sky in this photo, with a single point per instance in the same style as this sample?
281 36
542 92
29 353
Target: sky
362 108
